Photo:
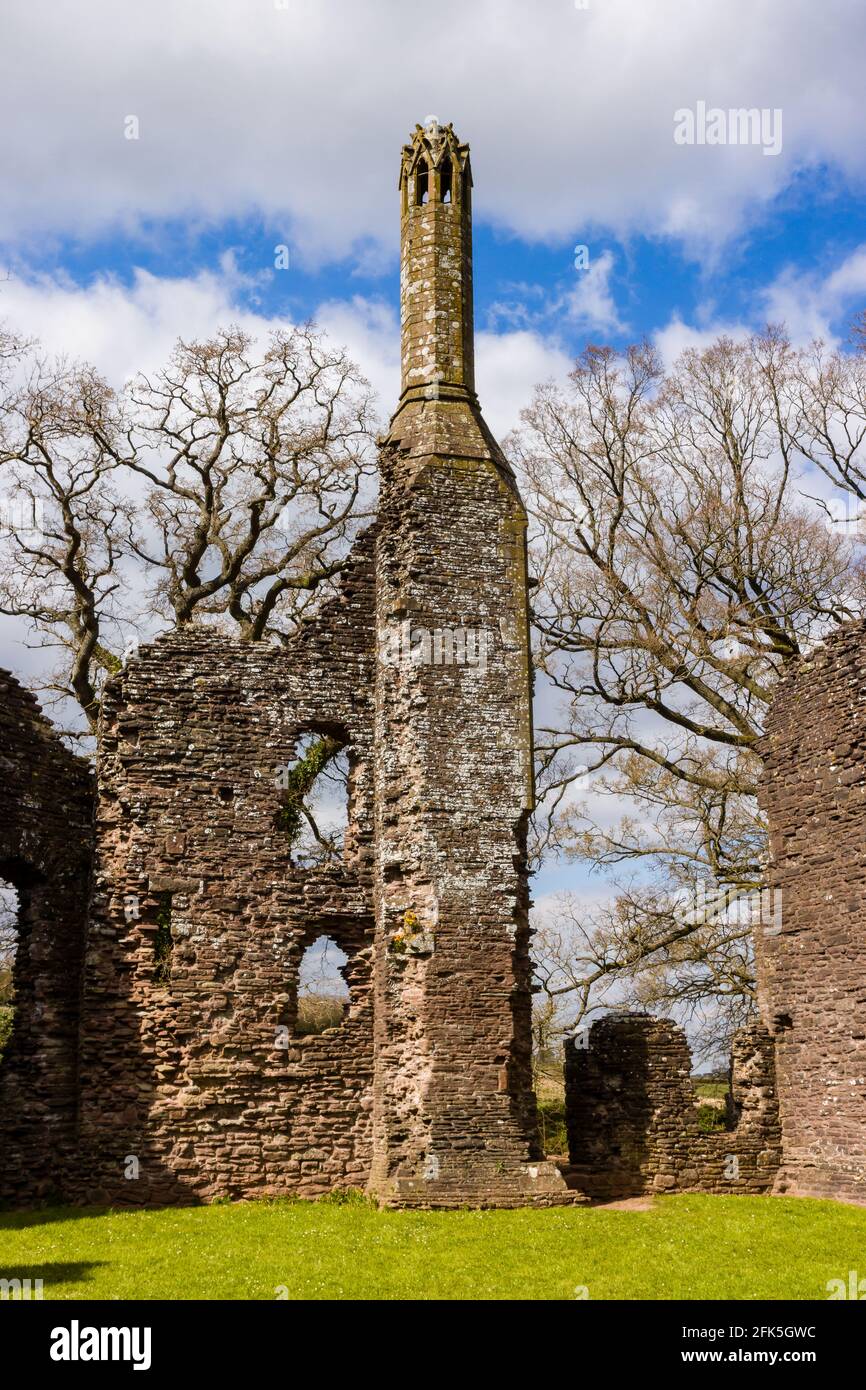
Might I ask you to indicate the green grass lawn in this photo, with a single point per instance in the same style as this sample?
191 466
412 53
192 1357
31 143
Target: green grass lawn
684 1247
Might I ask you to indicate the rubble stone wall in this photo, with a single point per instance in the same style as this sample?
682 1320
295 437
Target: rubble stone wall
811 952
46 812
201 1077
632 1121
194 1081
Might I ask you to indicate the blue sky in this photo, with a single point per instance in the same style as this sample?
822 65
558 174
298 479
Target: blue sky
260 123
815 225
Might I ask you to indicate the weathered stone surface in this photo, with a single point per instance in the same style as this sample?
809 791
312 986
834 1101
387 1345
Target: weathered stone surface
454 1111
812 961
46 810
191 1075
198 916
632 1122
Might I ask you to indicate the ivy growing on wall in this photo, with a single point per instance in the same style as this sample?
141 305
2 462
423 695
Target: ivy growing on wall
295 816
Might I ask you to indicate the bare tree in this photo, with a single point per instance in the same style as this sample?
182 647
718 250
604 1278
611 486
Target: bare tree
63 519
255 467
225 488
680 571
649 949
826 424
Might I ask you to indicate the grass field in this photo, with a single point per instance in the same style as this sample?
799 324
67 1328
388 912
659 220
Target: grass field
684 1247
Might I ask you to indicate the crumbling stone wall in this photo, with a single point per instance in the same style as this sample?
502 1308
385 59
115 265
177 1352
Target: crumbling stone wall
197 1085
811 956
631 1116
46 809
199 916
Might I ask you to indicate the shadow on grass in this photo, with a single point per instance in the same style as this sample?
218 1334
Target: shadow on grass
54 1273
25 1217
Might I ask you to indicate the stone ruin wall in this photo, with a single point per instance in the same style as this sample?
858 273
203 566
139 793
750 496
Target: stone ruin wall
46 809
424 1093
454 1114
811 953
177 1090
630 1117
632 1121
201 1077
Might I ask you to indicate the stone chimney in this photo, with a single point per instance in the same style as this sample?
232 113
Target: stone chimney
454 1116
436 263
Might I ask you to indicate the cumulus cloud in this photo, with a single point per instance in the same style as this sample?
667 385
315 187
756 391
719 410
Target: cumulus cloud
507 367
590 305
295 112
807 302
676 336
123 329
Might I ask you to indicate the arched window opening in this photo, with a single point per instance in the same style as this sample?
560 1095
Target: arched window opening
10 907
313 810
445 181
323 994
422 183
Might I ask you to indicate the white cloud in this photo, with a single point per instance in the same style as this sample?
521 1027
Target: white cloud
297 113
676 336
123 329
590 304
507 367
806 302
370 331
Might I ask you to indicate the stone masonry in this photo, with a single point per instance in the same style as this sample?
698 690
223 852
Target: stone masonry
157 1053
200 1076
173 1066
812 961
631 1117
454 1113
46 813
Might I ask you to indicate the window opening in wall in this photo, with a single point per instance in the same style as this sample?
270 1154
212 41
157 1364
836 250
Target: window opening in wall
323 994
163 943
313 809
10 907
445 181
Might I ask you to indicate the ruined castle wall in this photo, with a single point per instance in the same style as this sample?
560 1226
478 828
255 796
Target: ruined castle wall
632 1122
201 1078
812 962
46 809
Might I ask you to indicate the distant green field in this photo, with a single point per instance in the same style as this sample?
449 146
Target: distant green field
716 1090
684 1247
